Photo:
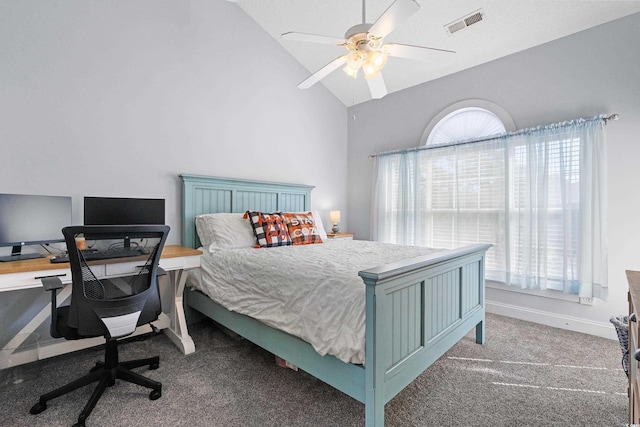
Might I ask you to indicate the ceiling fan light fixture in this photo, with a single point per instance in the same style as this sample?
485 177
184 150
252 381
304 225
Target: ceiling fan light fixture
354 60
374 63
350 71
374 42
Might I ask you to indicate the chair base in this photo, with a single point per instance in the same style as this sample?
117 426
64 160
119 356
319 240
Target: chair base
105 373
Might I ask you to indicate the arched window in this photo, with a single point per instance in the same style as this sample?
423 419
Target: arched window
465 123
468 119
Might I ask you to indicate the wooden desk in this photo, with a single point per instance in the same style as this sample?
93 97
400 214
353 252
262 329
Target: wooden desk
175 260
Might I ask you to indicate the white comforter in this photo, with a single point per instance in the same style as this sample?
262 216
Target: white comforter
310 291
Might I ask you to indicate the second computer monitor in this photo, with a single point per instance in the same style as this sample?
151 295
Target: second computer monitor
123 211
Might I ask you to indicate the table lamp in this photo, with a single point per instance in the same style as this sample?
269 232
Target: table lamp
334 217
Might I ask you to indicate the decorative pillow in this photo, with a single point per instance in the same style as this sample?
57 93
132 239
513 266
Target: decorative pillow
270 229
302 228
224 231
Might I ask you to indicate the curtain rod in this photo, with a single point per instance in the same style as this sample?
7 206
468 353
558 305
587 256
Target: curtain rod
604 117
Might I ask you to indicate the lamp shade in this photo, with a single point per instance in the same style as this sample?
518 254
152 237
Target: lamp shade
334 216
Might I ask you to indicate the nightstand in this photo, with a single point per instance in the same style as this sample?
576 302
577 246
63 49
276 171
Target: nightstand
346 236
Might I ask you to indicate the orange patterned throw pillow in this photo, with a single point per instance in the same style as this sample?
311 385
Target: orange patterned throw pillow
270 229
302 228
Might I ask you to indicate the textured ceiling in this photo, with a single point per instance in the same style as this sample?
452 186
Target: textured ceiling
509 26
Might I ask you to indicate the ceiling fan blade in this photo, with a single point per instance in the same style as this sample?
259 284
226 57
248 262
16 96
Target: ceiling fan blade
419 53
396 13
312 38
377 87
323 72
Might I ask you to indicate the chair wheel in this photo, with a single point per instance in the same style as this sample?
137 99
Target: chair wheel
37 408
154 366
155 394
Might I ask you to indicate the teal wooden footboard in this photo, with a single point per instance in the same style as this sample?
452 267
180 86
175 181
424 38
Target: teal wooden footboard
416 309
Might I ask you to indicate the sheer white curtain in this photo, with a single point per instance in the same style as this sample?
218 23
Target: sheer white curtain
538 195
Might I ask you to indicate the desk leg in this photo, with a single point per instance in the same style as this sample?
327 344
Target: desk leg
177 330
30 328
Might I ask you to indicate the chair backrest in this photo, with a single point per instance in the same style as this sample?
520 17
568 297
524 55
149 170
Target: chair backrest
114 273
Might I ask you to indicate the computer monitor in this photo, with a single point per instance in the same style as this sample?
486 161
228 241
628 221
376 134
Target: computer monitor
32 220
123 211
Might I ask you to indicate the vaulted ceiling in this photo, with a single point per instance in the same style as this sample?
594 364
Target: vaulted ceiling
507 27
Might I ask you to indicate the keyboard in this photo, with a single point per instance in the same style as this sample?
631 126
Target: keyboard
92 255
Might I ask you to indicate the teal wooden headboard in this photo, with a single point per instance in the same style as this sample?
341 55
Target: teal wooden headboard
206 194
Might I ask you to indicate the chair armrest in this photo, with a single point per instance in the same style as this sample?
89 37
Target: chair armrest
51 283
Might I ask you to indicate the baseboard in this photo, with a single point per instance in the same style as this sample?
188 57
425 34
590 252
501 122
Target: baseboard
604 330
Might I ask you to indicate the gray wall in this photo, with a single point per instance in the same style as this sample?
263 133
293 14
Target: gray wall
109 98
118 98
592 72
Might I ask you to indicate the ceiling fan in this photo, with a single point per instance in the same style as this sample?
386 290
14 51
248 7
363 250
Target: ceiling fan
366 50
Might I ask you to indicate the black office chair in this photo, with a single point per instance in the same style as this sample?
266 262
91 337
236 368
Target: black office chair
104 305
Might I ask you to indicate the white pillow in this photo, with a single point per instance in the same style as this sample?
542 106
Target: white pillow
225 231
318 222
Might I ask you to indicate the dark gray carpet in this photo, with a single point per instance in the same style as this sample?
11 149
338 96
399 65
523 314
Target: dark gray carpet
526 375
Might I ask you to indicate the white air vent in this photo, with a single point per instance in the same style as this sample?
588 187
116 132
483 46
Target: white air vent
464 22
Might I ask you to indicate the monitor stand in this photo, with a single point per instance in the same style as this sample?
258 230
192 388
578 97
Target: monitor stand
17 255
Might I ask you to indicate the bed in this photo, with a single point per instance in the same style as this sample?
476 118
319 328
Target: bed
415 309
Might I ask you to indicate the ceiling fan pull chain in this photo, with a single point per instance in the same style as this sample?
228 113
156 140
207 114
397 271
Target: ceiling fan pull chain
353 107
